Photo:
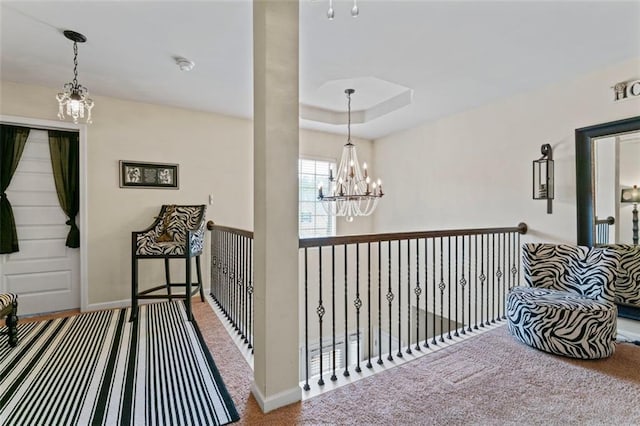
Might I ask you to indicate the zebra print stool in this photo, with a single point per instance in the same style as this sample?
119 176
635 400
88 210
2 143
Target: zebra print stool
568 308
9 309
178 232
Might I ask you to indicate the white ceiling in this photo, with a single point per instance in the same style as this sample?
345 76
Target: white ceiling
454 55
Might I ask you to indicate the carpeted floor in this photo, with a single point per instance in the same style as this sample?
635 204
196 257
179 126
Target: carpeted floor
487 380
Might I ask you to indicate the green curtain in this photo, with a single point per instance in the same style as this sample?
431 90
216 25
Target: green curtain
65 155
12 142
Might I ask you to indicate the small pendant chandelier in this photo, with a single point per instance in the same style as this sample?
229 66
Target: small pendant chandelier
74 99
352 192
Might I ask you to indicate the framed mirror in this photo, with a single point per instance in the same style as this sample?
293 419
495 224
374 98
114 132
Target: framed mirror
607 164
605 156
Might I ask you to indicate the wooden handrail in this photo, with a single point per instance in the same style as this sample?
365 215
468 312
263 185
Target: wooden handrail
391 236
610 220
394 236
211 226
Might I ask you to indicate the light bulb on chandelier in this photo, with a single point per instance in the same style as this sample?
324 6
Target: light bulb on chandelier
355 10
351 192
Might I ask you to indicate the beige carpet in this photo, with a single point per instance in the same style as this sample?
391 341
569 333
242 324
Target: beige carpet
488 380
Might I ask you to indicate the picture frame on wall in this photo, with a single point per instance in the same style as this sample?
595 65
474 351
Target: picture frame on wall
135 174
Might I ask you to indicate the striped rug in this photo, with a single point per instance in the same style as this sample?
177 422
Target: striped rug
99 369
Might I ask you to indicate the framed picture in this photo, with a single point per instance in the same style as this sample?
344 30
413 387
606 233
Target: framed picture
134 174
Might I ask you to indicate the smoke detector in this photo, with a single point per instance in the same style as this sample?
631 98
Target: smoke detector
185 64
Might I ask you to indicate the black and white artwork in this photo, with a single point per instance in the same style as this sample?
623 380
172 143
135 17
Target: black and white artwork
135 174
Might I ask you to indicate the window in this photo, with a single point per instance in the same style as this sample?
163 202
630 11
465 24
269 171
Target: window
313 221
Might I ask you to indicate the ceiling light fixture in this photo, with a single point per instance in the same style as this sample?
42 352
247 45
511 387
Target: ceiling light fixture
355 11
352 192
74 99
185 64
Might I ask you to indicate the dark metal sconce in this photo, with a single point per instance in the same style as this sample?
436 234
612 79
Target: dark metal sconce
543 177
632 195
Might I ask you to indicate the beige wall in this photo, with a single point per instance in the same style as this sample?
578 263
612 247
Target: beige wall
473 169
215 155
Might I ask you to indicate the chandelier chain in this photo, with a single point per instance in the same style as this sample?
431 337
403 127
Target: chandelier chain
349 117
75 64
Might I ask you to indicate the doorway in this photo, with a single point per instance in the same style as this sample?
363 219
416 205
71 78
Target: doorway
46 275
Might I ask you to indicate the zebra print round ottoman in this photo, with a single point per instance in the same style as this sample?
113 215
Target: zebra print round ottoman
562 323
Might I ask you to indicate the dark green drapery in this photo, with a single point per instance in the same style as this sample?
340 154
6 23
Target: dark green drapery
12 142
65 155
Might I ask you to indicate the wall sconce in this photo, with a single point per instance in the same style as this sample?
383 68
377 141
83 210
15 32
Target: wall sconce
632 195
543 177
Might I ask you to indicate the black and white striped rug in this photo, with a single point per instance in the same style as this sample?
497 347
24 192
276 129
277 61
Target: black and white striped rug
99 369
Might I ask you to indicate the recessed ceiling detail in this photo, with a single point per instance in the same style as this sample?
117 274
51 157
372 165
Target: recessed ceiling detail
379 97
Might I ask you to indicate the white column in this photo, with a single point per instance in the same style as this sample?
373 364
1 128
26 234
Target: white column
275 76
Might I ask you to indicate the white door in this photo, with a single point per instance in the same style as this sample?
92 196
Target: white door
44 273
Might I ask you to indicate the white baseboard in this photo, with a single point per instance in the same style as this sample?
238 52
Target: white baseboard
628 329
116 304
278 400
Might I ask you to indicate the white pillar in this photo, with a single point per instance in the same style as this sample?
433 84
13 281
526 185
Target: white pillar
275 140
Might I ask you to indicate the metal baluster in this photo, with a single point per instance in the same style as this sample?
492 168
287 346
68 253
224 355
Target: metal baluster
358 304
306 323
320 311
246 290
503 295
482 279
346 326
433 256
399 354
234 279
454 284
499 276
225 271
426 296
369 332
243 289
514 270
469 275
463 283
408 296
389 298
250 333
333 310
418 291
214 268
441 286
449 288
380 303
519 257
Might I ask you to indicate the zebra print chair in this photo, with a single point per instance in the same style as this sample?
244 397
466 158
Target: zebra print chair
9 309
627 274
568 308
177 233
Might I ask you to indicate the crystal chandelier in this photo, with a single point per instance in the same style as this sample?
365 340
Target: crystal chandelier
74 99
355 11
352 192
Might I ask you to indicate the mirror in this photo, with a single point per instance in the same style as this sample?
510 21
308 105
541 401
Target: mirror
615 168
607 161
612 140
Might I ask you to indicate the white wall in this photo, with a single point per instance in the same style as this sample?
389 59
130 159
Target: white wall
473 169
215 155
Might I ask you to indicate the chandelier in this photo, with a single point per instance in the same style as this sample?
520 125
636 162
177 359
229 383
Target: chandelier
74 98
355 11
352 192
